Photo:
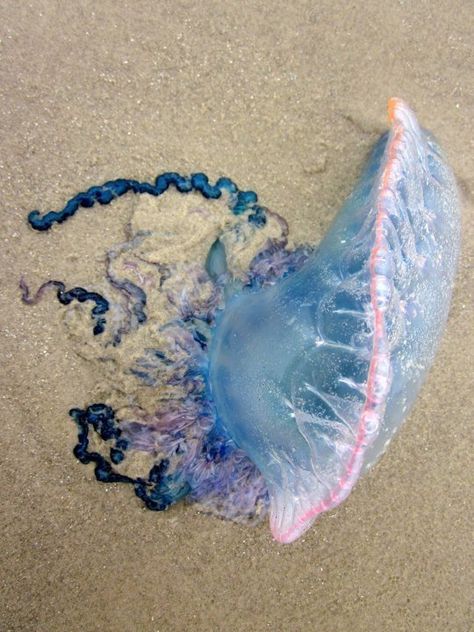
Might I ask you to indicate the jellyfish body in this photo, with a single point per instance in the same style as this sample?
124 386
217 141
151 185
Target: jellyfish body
254 377
313 376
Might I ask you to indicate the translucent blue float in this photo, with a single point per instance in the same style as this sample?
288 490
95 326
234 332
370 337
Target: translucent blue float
275 378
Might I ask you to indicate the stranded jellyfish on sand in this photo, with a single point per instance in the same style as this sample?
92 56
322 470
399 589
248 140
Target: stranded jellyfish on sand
249 377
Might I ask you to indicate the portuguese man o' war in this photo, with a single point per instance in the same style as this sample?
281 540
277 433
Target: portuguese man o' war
248 377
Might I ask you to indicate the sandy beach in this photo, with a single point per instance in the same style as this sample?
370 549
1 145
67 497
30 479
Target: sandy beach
287 100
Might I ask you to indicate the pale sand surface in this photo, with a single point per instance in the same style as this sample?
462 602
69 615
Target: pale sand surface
285 100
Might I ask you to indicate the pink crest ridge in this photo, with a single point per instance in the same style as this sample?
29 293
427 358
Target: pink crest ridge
404 126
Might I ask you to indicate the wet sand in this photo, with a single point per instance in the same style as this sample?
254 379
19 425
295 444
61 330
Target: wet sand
286 100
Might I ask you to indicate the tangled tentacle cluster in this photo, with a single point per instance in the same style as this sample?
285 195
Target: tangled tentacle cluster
164 410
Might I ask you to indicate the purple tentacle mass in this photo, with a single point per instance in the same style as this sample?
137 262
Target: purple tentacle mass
156 429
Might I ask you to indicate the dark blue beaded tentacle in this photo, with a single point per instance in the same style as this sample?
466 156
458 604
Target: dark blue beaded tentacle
158 490
241 201
65 297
